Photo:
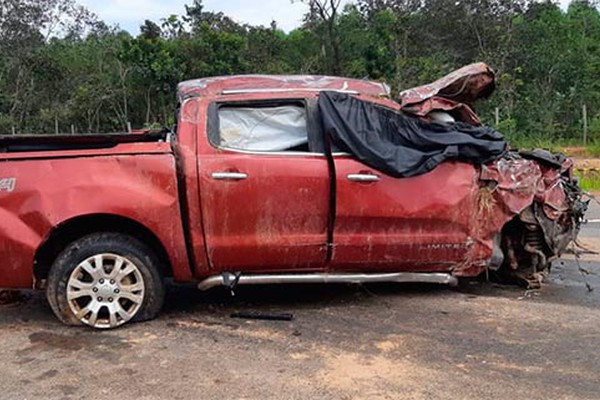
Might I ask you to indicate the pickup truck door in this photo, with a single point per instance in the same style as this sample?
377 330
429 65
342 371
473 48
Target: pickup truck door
264 195
417 224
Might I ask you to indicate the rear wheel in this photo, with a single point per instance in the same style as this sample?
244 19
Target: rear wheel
105 280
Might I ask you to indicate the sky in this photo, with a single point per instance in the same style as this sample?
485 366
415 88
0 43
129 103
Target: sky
130 14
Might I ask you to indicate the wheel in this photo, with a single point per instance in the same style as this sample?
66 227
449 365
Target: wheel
104 280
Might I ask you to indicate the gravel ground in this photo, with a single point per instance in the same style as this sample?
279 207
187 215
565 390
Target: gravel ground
345 342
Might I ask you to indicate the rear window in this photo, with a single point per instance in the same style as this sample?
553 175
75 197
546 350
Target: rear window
276 128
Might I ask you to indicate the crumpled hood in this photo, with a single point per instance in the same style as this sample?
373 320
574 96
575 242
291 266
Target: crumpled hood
454 93
465 85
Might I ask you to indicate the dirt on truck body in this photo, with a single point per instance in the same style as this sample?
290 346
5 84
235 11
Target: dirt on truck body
280 179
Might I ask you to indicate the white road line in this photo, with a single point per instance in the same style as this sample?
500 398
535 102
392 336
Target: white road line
593 221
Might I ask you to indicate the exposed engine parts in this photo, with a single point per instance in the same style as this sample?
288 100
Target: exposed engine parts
541 233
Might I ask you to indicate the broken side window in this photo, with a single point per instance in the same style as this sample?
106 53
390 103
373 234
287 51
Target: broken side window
269 128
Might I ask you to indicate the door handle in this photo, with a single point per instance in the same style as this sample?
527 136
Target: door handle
229 176
363 178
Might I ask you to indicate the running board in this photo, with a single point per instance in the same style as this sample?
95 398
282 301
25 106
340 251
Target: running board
232 280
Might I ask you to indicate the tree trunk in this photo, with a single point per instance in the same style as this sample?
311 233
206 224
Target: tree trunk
148 104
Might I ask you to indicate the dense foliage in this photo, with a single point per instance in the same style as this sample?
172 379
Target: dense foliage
61 68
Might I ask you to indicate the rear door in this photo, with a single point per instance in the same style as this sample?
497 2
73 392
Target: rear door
264 193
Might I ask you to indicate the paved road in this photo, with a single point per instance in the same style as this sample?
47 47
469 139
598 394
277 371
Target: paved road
592 228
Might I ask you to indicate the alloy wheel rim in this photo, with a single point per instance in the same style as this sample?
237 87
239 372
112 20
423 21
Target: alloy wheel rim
105 290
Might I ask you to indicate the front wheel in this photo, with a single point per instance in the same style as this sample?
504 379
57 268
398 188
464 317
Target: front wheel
104 280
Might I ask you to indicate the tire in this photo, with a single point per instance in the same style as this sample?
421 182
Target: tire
127 287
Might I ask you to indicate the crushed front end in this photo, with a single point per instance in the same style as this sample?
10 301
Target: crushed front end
529 205
539 191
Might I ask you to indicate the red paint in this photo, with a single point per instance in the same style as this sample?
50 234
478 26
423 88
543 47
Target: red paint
417 224
136 181
275 220
301 84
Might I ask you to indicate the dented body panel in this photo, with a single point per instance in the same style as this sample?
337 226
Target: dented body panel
415 224
133 181
289 212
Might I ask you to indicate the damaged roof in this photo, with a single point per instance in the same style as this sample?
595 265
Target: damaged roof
278 83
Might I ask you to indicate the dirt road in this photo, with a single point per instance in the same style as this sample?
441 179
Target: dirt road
346 342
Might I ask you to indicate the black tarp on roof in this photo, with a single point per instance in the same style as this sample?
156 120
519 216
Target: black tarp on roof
400 145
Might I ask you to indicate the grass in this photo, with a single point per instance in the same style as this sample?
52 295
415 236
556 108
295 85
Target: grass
570 147
593 150
589 180
540 142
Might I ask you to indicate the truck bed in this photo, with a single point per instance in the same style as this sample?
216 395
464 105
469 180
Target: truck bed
32 143
56 185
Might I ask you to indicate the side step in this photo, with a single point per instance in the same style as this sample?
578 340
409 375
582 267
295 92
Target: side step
229 279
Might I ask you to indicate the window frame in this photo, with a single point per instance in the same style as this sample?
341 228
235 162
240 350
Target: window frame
313 124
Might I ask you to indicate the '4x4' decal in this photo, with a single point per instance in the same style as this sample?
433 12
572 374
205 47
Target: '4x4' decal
8 184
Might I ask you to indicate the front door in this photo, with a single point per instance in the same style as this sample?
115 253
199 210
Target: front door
264 194
418 224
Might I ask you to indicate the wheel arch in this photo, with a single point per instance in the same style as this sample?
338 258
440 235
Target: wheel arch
67 232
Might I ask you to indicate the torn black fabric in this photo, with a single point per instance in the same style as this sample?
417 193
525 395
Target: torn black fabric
399 145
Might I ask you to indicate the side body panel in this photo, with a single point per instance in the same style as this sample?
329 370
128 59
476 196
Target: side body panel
136 181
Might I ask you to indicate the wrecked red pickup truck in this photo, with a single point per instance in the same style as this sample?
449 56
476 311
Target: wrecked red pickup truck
280 179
